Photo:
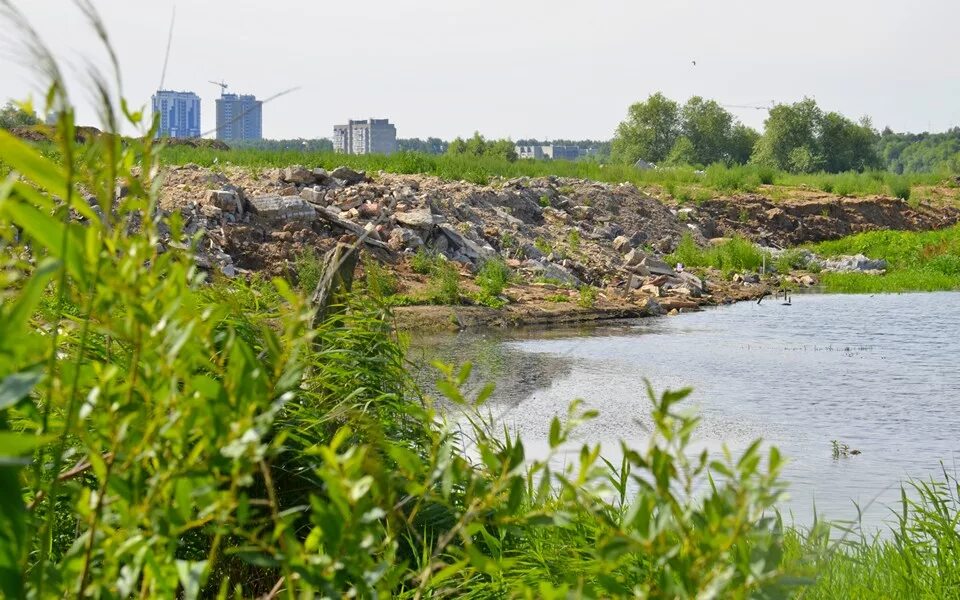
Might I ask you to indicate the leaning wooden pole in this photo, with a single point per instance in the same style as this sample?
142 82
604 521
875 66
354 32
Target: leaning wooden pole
330 294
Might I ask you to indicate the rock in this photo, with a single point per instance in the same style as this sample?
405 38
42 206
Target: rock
621 243
290 190
211 212
858 262
657 266
419 218
692 280
402 238
582 213
314 195
348 175
298 175
370 210
634 257
808 280
650 289
463 248
532 252
320 175
750 278
226 200
558 273
281 209
651 307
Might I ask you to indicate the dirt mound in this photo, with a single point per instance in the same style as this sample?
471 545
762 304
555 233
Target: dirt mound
784 224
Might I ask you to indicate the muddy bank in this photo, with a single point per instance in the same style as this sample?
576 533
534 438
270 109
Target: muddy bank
535 307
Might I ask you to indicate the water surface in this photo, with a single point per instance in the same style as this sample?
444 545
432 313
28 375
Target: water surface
878 373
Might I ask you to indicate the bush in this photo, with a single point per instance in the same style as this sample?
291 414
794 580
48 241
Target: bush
588 296
493 276
445 283
899 186
424 261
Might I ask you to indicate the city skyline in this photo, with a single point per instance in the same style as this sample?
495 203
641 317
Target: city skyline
446 75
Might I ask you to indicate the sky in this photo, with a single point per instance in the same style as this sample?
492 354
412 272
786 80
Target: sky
543 69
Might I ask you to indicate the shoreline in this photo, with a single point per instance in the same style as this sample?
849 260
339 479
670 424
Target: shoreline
452 318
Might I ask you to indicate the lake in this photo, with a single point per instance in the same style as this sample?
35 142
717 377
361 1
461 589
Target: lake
878 373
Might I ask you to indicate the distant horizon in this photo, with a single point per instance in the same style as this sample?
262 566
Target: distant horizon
441 70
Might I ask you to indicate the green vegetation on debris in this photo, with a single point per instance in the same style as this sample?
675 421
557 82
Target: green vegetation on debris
735 254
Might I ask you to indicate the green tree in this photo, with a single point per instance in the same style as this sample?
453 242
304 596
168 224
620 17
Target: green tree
788 128
742 141
649 131
848 146
683 153
12 116
709 128
479 146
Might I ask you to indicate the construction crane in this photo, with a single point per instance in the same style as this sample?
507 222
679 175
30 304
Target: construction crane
223 86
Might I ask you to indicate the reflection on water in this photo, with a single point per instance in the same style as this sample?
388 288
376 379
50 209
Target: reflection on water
876 372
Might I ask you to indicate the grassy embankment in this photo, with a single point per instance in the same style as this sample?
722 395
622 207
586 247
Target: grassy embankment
918 261
924 261
683 184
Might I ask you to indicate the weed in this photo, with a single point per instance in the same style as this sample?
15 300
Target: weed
573 240
543 246
380 282
308 269
493 276
544 201
587 297
445 283
424 261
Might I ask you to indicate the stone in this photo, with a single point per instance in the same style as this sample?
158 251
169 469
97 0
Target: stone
402 239
621 243
634 257
281 209
348 175
314 195
650 307
657 266
420 218
808 280
858 262
369 210
692 280
750 278
297 174
320 175
553 271
226 200
651 290
462 247
211 212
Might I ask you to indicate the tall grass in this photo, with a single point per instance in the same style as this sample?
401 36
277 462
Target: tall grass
734 254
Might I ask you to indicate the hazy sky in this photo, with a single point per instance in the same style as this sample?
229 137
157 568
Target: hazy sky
521 68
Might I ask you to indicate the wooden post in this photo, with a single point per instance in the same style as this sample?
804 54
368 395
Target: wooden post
336 281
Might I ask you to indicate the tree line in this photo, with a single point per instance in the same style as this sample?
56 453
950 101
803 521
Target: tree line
798 138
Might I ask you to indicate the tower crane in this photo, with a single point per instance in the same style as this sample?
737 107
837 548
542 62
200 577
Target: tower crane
223 86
